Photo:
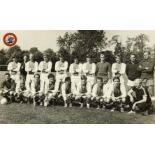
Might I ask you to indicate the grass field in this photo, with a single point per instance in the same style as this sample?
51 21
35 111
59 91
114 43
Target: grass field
27 114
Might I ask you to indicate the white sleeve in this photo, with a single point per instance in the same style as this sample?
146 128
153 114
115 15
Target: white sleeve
41 66
9 66
93 70
123 68
18 67
79 70
84 68
123 90
49 66
94 91
71 70
109 93
17 88
35 67
33 91
27 69
57 66
65 66
113 68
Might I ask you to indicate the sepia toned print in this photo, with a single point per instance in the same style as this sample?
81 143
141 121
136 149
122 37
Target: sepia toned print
78 77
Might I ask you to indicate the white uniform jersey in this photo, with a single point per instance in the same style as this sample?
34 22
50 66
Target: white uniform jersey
75 69
89 68
14 69
105 91
31 66
61 67
45 67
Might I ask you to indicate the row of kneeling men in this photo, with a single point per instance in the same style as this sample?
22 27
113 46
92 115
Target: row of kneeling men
103 94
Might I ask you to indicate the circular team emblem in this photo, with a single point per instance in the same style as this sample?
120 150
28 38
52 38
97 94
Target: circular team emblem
10 39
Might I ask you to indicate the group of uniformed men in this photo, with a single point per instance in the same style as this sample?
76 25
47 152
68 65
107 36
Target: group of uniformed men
87 84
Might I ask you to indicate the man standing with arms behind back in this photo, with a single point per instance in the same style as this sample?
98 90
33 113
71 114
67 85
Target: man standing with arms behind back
103 68
146 67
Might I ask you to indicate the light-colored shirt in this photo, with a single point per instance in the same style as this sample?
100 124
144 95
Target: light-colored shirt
89 68
121 68
45 66
75 68
105 90
13 66
31 66
61 66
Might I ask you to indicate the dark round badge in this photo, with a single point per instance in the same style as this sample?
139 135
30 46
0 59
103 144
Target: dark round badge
10 39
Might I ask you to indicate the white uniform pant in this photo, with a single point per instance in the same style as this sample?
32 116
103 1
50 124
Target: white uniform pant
43 78
59 78
90 81
75 79
29 79
15 77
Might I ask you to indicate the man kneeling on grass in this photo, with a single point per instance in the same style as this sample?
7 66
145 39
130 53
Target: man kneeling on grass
22 95
67 93
8 88
140 100
100 93
37 90
83 92
50 91
118 95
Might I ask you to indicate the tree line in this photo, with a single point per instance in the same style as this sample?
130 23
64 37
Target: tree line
85 42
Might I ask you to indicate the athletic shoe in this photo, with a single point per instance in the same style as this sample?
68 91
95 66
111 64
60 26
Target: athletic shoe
131 112
88 105
81 106
112 110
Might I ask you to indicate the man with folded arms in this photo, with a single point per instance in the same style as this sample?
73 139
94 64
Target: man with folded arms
31 67
89 69
14 68
61 71
45 68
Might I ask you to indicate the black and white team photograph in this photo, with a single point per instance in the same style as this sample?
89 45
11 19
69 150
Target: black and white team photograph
77 77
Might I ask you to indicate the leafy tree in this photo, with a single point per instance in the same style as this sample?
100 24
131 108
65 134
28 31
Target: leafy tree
14 51
38 56
83 42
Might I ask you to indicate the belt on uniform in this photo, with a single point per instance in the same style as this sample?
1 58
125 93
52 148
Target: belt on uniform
31 73
90 74
75 74
60 72
44 72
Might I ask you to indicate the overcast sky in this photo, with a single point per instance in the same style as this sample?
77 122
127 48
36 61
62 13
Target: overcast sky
44 39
